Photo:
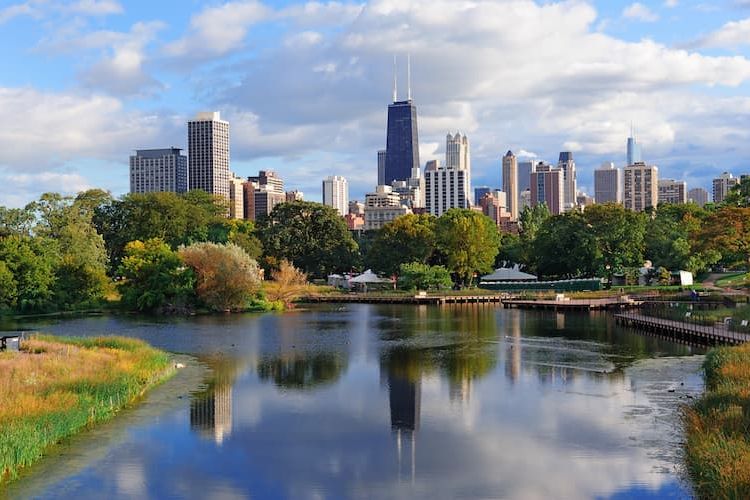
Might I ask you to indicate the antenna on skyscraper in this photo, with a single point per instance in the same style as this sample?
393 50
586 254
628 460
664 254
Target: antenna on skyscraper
395 83
408 74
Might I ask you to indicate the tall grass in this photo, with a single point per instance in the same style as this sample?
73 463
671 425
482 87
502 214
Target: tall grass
55 387
718 427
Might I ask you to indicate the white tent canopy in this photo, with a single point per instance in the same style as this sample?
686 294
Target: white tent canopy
369 277
509 274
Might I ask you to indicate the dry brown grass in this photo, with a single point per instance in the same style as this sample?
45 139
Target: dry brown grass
54 387
718 427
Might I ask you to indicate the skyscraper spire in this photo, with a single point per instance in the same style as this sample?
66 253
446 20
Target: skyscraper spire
408 74
395 83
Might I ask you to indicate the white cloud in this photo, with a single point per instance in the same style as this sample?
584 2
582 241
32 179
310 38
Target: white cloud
54 128
733 34
639 12
671 3
16 10
96 7
18 189
303 40
121 71
218 30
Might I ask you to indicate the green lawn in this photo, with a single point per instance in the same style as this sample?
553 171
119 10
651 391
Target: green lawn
737 279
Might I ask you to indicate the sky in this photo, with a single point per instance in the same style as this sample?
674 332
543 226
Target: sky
305 85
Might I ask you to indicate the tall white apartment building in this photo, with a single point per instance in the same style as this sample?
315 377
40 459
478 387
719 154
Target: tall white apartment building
607 184
722 185
336 193
446 188
158 170
208 154
510 184
640 186
672 191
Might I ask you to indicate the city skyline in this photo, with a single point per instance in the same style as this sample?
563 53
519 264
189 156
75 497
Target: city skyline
84 95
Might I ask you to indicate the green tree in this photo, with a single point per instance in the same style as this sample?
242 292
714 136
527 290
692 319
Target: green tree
739 195
419 276
310 235
226 277
81 270
671 238
727 231
154 277
29 265
468 241
409 238
565 247
529 222
619 235
176 219
18 221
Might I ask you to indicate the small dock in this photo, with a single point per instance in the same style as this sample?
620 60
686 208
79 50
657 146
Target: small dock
610 303
405 299
681 331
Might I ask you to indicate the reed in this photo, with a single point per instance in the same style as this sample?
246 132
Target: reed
55 387
718 427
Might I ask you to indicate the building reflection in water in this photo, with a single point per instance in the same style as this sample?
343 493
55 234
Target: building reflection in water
211 413
211 409
513 365
402 369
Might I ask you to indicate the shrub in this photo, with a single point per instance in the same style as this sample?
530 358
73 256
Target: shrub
287 285
423 277
226 277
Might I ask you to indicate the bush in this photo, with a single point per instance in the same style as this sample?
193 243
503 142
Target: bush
154 277
226 277
424 277
287 285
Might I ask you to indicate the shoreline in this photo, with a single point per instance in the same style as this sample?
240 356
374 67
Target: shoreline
109 375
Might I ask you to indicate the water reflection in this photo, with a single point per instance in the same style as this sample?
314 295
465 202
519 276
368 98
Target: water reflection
399 402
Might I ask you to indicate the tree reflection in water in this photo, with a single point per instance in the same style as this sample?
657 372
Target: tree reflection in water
302 371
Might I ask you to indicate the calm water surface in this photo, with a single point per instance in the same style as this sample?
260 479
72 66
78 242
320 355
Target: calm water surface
371 401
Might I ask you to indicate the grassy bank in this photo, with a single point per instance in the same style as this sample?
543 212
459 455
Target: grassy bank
734 280
718 427
55 387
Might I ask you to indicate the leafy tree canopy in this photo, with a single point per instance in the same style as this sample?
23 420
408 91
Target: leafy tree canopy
312 236
468 241
409 238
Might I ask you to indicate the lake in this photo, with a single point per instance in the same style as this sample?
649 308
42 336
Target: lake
385 401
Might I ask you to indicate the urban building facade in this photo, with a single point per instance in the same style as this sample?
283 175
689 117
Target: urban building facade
570 187
381 167
446 188
158 170
208 154
457 154
634 150
672 191
236 198
547 187
607 184
510 183
269 192
640 186
722 185
480 192
336 193
381 207
294 195
402 142
699 196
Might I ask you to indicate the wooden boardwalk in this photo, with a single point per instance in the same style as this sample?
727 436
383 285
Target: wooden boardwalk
405 299
681 331
609 303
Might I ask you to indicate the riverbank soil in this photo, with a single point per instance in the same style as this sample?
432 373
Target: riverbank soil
54 387
718 427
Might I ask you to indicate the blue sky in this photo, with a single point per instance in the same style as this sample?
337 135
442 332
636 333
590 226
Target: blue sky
305 85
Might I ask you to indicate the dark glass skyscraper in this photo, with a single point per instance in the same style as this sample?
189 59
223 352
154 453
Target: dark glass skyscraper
402 141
